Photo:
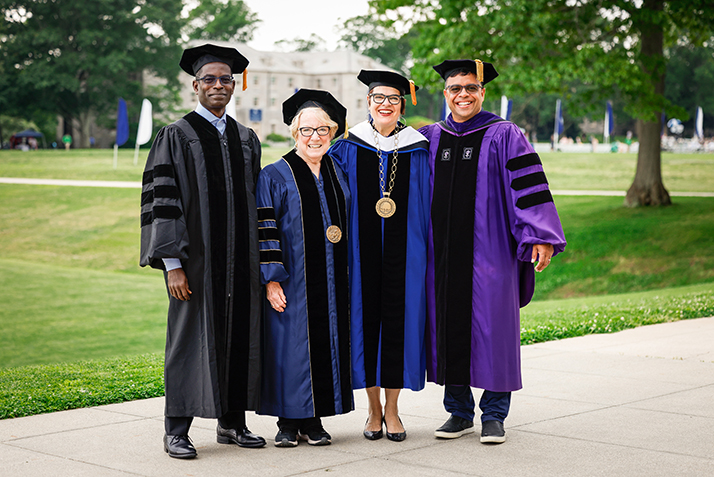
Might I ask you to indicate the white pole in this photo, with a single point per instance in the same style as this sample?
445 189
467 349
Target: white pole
116 152
557 123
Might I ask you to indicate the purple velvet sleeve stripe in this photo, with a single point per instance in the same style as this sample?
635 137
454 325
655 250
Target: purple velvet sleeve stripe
531 200
530 180
522 162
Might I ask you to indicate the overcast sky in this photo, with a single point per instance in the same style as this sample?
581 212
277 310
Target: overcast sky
290 19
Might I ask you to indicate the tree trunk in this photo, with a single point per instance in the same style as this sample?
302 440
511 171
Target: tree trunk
647 188
85 121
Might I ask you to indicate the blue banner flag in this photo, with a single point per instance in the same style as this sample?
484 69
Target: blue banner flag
122 123
610 119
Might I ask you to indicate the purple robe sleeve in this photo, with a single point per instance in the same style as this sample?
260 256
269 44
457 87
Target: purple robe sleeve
531 210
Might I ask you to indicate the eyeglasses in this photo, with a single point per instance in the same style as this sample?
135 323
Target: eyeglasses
470 88
209 80
321 131
379 98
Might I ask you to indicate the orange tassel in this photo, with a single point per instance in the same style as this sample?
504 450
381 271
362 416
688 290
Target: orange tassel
412 91
245 79
479 70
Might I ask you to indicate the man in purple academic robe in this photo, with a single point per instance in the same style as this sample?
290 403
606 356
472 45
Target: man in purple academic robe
492 218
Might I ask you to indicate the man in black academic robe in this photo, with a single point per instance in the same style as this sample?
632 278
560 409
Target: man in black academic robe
199 225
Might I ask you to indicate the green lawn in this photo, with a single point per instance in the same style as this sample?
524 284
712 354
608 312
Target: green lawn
680 172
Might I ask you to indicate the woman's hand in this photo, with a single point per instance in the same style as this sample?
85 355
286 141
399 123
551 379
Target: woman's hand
276 297
542 253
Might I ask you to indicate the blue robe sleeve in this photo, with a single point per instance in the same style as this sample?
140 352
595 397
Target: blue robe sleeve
343 153
270 196
532 213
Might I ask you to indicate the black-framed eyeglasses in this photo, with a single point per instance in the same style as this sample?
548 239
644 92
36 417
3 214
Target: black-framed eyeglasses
308 132
379 98
209 80
470 88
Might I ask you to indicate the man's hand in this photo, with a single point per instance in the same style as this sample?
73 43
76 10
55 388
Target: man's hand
276 297
178 285
542 253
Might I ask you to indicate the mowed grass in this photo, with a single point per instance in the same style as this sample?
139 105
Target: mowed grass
565 171
88 164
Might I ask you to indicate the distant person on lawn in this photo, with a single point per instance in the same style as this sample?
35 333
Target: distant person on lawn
199 224
492 218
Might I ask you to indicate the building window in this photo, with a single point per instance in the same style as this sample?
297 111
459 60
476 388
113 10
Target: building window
290 82
255 80
334 81
319 83
359 104
237 100
272 80
272 101
255 101
272 128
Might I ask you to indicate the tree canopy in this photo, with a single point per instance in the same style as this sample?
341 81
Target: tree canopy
75 58
226 20
584 50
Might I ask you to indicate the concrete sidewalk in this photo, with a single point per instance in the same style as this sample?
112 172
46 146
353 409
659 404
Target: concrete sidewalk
635 403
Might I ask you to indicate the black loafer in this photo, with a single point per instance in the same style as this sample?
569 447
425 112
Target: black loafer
372 435
395 436
492 432
244 438
454 427
179 447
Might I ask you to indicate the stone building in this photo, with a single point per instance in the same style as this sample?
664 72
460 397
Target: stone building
275 76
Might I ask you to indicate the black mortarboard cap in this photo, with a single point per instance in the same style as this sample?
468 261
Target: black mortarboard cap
484 72
313 98
194 58
374 78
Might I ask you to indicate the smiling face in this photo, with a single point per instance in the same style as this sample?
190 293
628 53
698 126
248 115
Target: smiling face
385 115
214 97
312 148
464 105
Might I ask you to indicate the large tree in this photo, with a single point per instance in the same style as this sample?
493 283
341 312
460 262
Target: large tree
75 58
550 45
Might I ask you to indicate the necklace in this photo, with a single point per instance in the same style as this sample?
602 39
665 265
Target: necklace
333 232
386 206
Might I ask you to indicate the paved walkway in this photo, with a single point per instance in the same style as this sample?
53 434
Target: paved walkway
635 403
137 185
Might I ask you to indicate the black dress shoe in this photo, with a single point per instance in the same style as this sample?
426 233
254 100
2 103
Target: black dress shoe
179 447
372 435
244 438
395 436
492 432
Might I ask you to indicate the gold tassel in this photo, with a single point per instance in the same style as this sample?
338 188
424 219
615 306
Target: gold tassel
347 133
412 91
479 70
245 79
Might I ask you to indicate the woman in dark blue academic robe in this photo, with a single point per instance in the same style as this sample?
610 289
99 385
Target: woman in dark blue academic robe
302 212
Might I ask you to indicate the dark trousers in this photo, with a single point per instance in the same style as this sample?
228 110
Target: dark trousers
299 424
459 400
179 426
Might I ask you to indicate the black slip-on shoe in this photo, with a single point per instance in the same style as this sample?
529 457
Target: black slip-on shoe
395 436
492 432
372 435
179 447
454 427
